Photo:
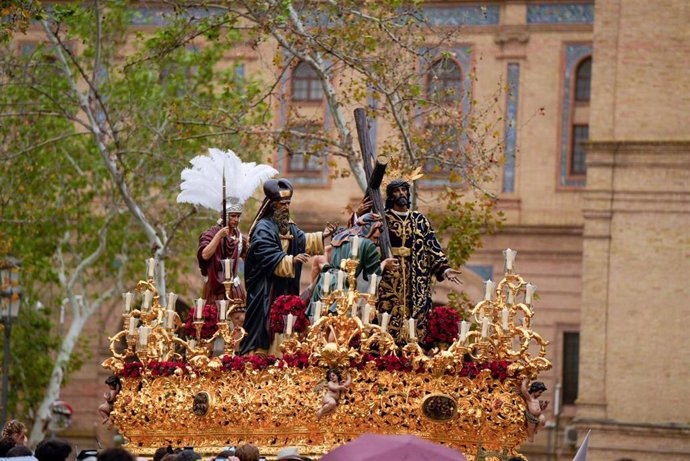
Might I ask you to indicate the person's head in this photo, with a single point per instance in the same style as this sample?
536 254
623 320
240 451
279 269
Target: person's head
279 193
114 383
6 444
15 430
398 194
333 375
225 454
115 454
169 457
19 450
368 226
247 452
87 455
289 454
237 317
536 389
188 455
234 220
158 455
53 450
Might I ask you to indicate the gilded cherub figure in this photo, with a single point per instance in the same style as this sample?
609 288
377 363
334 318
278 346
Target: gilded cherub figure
535 407
104 409
333 391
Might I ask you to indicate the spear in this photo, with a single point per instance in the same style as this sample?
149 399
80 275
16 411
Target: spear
224 218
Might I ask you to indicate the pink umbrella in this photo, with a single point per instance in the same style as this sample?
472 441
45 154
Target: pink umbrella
374 447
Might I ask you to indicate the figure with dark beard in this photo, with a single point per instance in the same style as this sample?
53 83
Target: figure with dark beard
406 293
277 251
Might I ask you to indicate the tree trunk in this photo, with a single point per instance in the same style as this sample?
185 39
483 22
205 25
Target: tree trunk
53 390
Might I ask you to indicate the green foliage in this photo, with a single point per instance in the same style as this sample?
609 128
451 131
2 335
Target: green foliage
16 16
33 344
464 222
148 114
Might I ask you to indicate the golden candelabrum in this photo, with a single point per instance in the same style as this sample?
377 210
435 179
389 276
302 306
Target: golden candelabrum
272 402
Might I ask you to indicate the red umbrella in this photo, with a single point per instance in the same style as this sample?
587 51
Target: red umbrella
374 447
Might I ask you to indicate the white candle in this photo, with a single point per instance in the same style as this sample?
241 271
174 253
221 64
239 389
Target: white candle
341 279
192 344
510 258
290 323
171 318
317 310
372 284
485 327
511 297
529 293
557 400
384 321
504 318
464 328
150 267
411 327
132 325
489 289
326 282
172 298
226 264
199 308
128 301
143 336
355 246
222 307
366 315
148 295
354 307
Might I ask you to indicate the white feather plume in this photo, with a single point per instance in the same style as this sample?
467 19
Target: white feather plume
202 184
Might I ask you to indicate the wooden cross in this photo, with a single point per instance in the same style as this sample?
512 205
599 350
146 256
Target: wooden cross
374 171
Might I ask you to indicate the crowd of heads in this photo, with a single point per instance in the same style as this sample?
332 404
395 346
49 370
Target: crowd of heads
13 444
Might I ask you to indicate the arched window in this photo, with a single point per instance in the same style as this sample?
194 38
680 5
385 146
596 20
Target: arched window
306 85
583 77
444 81
579 124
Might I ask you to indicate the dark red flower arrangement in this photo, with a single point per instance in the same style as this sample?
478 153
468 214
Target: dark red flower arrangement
210 326
284 305
167 368
239 363
498 369
391 363
299 360
132 370
442 326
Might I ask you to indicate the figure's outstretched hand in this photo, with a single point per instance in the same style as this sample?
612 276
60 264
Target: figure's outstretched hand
302 258
389 264
329 229
453 275
364 207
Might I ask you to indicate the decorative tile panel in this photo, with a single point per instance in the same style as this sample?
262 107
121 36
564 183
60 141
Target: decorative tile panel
462 15
566 13
511 126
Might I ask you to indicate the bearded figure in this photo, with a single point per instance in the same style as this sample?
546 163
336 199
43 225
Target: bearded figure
273 266
406 292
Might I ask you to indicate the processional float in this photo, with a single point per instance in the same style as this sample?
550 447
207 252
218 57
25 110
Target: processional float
465 394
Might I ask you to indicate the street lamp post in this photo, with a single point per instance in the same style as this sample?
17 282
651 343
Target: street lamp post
10 298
